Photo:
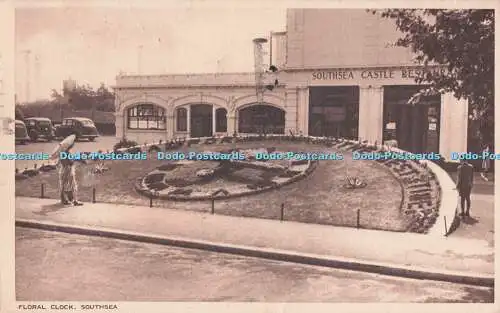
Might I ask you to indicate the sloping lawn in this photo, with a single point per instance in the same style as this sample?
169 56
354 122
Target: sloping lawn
319 198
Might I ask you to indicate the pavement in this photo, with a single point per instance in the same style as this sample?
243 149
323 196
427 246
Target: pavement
452 259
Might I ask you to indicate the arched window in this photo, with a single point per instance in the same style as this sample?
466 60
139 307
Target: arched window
221 120
261 118
146 116
181 119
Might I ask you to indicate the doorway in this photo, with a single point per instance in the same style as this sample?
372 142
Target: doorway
201 120
261 119
334 111
415 127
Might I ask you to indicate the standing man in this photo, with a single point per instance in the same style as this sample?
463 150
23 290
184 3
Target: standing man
67 180
464 185
486 164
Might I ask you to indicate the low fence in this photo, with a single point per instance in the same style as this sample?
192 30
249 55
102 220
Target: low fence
448 198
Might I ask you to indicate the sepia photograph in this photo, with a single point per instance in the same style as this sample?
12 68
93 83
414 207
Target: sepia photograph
246 154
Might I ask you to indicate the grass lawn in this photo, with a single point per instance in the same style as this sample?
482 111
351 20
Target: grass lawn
318 198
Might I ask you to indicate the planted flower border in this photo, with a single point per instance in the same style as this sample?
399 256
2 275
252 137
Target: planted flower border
50 166
420 187
161 189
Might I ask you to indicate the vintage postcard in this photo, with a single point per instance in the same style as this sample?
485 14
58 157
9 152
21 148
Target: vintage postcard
248 156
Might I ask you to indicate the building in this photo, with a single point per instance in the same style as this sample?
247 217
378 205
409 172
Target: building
337 76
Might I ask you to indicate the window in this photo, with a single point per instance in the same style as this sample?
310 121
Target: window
221 120
146 116
257 119
334 111
181 119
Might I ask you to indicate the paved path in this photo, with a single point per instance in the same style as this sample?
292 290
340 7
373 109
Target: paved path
481 223
421 251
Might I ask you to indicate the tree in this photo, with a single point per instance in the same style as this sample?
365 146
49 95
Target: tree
461 40
105 99
19 114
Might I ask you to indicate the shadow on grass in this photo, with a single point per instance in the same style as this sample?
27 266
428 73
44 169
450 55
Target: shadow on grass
319 198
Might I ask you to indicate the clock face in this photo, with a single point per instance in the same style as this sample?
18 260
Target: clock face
193 179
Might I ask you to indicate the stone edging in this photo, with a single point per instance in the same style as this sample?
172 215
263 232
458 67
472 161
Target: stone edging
441 178
449 205
421 199
142 189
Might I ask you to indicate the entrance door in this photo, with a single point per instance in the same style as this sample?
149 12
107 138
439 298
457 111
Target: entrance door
201 120
334 111
411 128
414 126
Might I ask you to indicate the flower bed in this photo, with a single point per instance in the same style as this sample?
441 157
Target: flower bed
419 206
421 189
204 178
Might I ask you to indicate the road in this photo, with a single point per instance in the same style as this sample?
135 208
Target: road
101 143
53 266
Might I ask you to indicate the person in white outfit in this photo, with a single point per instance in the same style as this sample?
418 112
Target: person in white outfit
486 164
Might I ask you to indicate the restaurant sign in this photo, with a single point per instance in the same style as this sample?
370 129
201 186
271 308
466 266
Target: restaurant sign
404 73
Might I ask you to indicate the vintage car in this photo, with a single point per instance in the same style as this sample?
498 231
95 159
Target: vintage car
39 128
82 128
21 132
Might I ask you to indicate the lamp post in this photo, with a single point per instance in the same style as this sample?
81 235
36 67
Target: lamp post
260 86
259 67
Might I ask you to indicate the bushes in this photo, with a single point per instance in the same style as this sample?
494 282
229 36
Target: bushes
154 149
124 143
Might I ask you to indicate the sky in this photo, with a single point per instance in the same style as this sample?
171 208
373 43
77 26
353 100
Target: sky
93 44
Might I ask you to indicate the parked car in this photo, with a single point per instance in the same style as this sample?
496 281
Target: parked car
21 132
79 126
39 127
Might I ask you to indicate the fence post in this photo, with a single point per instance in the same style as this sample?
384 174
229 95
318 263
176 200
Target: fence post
445 227
93 195
213 206
282 217
357 219
42 191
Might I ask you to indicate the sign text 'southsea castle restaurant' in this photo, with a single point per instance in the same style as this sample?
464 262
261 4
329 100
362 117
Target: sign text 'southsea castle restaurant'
337 76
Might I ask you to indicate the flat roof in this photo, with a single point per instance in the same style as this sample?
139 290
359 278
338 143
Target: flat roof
78 118
38 118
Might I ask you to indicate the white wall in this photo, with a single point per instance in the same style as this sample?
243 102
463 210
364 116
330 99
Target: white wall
341 37
232 98
454 123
